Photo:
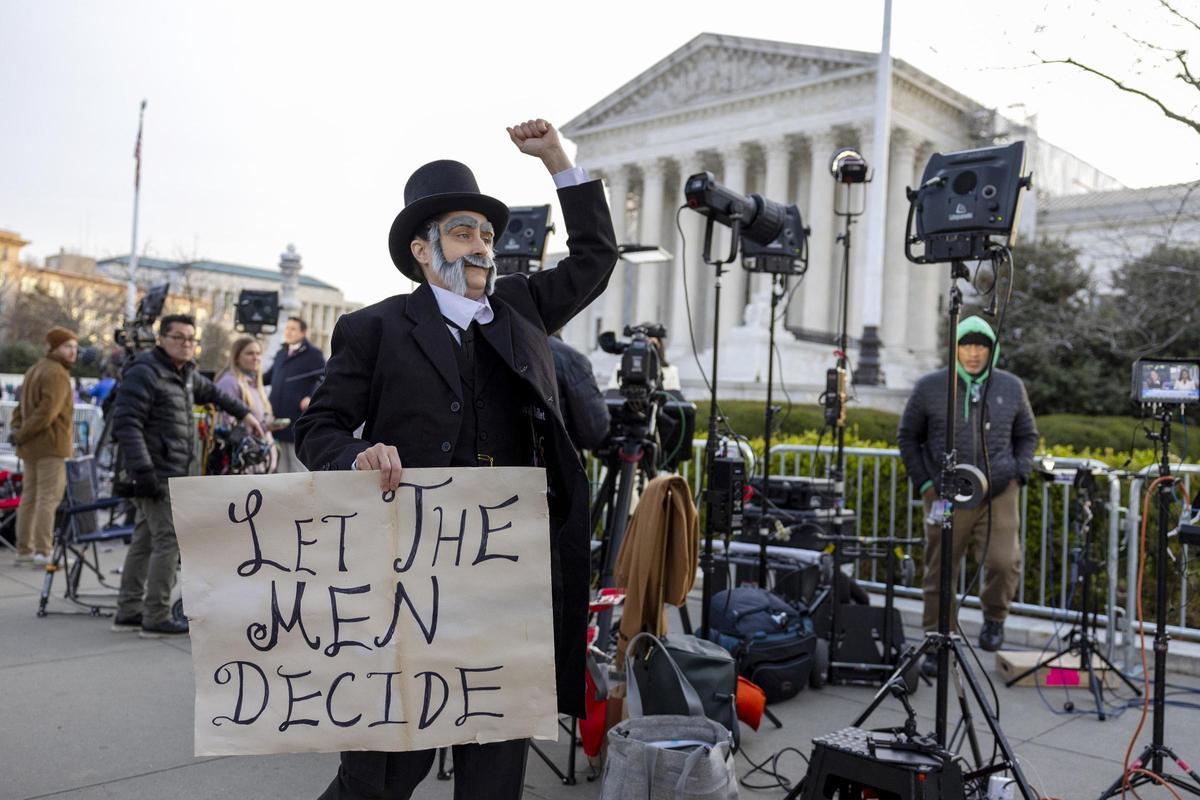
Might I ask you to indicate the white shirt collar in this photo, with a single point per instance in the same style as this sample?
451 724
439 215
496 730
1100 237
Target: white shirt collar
460 310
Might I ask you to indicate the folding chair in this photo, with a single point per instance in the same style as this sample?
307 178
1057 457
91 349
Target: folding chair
10 498
84 520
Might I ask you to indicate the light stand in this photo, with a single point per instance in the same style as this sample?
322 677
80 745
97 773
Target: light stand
1082 638
778 290
714 497
942 642
1151 759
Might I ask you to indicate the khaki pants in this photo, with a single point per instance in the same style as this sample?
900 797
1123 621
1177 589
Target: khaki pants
288 460
41 491
1002 563
150 563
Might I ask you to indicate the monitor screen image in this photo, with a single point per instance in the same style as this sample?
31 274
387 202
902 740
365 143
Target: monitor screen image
1169 382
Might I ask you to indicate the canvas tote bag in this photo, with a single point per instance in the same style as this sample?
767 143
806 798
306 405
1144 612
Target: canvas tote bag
667 756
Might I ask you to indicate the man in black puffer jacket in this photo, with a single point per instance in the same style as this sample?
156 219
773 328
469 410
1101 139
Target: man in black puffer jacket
155 430
1011 439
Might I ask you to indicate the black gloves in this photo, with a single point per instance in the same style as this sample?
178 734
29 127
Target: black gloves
145 484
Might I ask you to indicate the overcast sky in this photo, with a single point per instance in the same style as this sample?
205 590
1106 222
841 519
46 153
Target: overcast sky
273 122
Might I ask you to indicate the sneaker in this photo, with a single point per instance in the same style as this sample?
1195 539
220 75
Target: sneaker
166 629
129 624
929 665
23 560
40 560
991 636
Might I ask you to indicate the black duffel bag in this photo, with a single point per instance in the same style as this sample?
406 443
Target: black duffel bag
709 669
772 642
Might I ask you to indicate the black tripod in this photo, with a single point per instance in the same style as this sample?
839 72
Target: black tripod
1082 638
631 454
1151 759
948 647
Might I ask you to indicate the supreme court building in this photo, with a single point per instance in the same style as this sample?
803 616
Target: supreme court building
767 117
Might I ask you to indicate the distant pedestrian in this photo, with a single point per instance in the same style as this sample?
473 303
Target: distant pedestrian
293 378
155 430
243 379
42 428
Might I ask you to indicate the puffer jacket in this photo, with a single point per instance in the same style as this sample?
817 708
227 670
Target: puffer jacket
1011 433
152 415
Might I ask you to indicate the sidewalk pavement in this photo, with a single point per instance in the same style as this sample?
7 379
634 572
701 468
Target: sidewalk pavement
86 714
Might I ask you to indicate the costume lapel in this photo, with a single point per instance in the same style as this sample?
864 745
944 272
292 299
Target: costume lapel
432 337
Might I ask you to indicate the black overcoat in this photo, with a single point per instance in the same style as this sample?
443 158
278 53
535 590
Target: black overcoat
291 380
393 370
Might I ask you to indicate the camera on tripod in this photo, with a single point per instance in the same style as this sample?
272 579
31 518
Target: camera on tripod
642 409
640 374
137 334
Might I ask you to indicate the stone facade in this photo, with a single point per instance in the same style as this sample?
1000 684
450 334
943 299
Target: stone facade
767 117
319 303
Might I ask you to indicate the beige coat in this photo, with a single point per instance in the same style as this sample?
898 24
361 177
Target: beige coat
43 420
657 561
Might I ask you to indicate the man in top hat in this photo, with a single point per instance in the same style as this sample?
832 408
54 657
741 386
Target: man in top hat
476 346
42 431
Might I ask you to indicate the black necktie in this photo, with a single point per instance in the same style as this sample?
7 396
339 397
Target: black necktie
466 338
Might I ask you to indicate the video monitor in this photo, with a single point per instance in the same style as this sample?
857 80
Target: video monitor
1166 381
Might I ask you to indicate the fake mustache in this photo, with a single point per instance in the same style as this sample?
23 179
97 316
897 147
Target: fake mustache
483 262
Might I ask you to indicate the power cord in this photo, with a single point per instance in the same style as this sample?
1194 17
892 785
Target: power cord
772 771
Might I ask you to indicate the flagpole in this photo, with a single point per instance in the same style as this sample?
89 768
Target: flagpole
131 287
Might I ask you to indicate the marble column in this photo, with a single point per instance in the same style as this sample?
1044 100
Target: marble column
698 273
821 283
778 161
647 300
860 234
925 311
614 295
733 284
898 273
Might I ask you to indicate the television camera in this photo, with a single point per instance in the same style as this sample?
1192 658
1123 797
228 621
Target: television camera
137 334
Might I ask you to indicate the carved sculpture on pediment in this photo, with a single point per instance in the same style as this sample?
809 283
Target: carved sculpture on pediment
713 73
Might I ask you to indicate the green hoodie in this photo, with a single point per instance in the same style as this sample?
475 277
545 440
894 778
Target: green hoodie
975 383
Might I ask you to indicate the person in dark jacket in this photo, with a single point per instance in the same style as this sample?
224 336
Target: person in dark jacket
459 374
1011 439
293 377
155 430
583 408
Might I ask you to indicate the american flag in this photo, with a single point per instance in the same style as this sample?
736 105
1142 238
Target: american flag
137 150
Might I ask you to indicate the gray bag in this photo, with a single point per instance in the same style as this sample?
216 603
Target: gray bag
667 756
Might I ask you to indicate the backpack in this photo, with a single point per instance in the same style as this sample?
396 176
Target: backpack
772 642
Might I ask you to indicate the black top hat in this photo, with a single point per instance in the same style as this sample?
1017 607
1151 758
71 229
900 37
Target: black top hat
438 188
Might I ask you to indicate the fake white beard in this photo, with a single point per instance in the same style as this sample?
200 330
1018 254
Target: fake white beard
454 273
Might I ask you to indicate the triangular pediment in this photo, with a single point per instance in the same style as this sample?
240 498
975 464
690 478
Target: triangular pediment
711 68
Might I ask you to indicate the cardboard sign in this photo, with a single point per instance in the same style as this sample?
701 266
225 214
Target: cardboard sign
326 615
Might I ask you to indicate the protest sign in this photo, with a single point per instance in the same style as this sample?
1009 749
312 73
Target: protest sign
326 615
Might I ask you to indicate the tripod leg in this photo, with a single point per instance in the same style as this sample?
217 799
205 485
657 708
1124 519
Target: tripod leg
1183 765
1113 668
911 657
1117 786
967 720
989 714
1095 682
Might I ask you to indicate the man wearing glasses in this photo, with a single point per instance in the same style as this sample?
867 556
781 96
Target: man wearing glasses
156 436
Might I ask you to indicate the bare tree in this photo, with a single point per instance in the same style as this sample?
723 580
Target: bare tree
1176 27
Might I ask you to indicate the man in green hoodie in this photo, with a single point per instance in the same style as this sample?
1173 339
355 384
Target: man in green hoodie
1001 445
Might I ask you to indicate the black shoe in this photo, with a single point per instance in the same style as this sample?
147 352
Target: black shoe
129 624
166 629
929 665
991 636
